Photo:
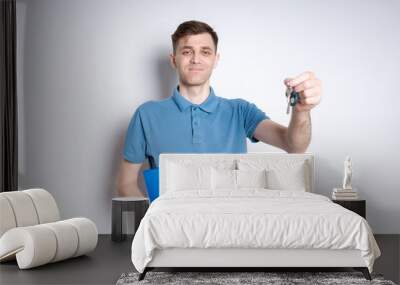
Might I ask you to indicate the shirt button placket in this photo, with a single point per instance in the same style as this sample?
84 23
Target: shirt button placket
195 126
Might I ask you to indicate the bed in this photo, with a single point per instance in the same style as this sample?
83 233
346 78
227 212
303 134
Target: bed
244 211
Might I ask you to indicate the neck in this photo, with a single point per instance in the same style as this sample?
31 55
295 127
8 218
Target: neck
195 94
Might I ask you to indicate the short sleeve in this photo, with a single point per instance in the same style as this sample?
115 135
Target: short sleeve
135 140
252 116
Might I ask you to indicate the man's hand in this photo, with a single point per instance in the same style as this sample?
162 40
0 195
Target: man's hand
310 90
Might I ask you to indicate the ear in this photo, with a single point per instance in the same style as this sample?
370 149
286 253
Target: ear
216 61
172 60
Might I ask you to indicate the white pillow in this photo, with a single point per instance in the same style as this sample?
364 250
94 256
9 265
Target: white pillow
184 177
251 178
230 179
282 174
291 180
223 179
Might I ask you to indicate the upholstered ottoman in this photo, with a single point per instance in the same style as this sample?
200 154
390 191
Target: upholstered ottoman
31 231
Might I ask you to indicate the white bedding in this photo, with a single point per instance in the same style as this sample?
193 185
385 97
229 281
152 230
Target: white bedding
250 218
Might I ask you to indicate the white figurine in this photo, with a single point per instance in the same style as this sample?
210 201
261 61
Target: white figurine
347 174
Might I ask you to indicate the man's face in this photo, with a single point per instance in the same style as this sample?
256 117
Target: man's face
195 58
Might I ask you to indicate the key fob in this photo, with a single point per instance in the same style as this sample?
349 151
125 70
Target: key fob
294 98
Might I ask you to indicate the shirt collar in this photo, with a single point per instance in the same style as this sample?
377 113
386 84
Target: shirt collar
209 105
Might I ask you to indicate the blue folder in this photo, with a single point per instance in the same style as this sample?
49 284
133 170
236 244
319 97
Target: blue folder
152 184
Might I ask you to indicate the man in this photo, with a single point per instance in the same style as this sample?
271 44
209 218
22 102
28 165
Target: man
195 120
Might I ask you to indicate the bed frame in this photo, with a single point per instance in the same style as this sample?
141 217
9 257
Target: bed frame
248 259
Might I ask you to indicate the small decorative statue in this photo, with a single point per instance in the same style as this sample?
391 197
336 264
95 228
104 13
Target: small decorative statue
347 173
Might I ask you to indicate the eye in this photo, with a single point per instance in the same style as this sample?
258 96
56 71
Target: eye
206 52
186 52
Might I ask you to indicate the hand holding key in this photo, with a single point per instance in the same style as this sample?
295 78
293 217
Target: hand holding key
308 89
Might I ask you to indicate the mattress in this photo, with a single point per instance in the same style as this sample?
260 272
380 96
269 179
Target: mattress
250 218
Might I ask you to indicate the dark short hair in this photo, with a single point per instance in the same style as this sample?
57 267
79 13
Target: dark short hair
193 28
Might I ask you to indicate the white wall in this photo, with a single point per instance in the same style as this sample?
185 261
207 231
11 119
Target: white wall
84 67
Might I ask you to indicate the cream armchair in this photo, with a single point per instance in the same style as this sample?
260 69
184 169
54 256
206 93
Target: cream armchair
32 233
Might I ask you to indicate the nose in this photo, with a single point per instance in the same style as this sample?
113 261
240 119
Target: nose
195 58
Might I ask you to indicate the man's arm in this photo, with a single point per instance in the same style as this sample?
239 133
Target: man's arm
127 181
293 139
299 132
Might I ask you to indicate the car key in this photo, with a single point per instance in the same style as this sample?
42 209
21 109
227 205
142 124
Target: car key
288 92
292 97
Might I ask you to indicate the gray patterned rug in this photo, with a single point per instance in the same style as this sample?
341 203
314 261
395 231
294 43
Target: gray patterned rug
229 278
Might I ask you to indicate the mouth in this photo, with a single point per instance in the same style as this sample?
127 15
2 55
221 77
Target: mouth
195 69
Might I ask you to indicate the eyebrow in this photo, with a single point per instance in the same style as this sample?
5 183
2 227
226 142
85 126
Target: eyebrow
190 47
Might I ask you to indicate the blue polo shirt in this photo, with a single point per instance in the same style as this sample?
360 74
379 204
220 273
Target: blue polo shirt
176 125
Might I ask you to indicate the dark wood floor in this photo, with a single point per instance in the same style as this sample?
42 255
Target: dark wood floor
111 259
